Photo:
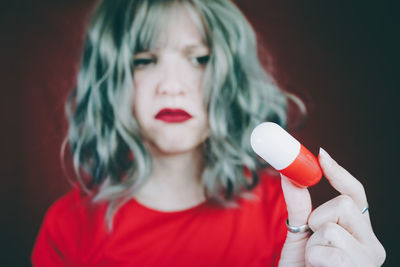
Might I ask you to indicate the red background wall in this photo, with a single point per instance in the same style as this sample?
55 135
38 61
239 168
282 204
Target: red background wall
340 57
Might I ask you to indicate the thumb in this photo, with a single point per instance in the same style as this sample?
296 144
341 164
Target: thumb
298 203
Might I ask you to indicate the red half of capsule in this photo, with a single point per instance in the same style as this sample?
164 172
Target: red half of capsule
304 170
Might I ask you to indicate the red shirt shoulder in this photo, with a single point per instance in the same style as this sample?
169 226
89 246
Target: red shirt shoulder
67 223
74 232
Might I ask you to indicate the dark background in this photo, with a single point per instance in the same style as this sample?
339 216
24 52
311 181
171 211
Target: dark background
340 57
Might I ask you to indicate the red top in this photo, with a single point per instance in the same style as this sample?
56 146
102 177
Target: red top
74 233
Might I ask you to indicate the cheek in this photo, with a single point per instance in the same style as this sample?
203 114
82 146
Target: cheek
134 102
198 77
141 104
137 109
139 96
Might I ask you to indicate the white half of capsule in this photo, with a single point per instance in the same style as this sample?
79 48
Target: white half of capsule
276 146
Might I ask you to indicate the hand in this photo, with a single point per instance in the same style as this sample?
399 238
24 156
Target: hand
341 235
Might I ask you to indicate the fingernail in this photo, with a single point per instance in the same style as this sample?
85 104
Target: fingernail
325 160
323 154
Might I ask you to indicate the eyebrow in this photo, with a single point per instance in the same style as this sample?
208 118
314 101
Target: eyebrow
186 49
193 47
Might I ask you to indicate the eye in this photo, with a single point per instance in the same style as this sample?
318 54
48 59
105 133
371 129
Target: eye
200 61
143 62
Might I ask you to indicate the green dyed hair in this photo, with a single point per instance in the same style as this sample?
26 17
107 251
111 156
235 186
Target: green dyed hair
238 93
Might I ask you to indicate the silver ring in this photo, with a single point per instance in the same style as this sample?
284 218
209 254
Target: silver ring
297 229
365 209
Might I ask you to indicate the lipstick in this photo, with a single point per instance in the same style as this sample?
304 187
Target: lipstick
173 115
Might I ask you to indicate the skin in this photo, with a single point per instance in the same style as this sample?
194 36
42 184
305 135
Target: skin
170 77
342 236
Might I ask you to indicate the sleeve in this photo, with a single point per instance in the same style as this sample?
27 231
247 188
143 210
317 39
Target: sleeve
276 208
279 226
56 234
45 251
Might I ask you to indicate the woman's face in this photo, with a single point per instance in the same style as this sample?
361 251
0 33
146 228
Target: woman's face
168 98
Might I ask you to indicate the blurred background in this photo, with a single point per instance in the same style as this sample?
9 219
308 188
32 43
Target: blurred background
340 57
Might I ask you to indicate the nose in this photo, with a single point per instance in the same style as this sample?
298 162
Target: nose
171 81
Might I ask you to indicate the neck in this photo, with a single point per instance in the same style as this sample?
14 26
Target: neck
180 169
175 181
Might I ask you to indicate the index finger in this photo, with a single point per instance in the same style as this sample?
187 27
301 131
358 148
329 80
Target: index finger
342 180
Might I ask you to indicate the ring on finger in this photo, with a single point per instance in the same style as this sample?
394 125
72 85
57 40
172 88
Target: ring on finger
297 229
365 209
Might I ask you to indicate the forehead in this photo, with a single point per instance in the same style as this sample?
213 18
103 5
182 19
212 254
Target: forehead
180 31
175 27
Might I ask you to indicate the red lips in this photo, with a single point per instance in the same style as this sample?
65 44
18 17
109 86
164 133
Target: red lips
173 115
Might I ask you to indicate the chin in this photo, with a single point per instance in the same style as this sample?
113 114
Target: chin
178 141
175 148
177 145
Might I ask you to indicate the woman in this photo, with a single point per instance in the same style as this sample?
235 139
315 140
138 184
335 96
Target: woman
160 121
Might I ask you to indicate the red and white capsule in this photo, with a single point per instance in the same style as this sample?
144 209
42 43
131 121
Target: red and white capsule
284 153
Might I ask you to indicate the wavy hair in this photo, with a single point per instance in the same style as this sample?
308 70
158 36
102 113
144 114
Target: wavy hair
109 158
